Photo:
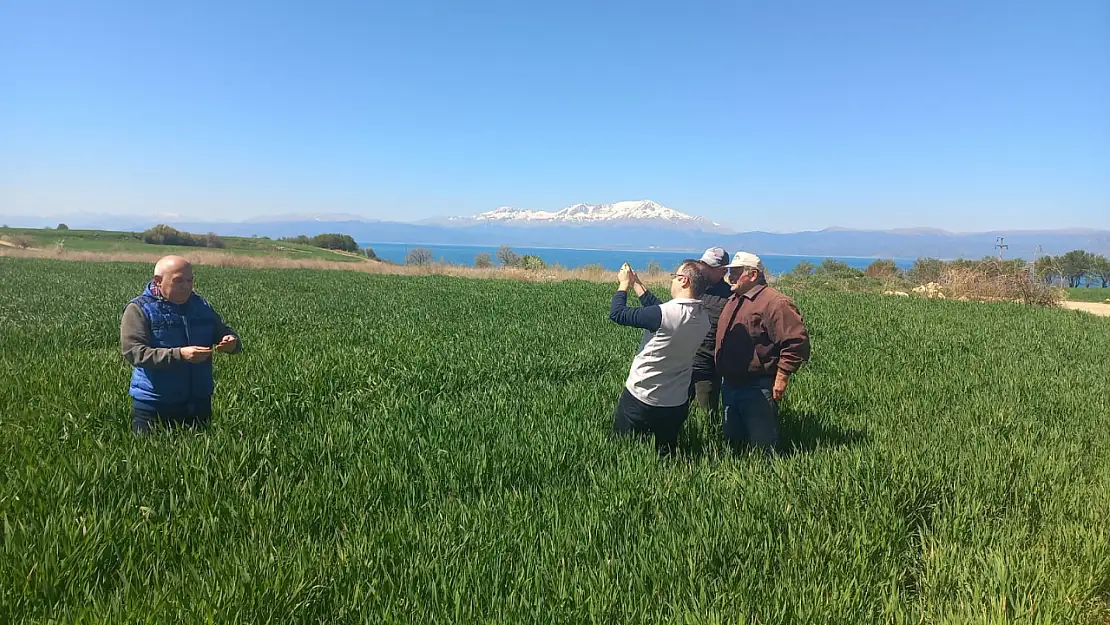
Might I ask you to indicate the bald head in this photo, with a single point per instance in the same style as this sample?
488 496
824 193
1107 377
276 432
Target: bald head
174 277
170 264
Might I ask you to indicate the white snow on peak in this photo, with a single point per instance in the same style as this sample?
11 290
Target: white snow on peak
634 210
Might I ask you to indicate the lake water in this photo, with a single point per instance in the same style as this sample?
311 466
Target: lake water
610 259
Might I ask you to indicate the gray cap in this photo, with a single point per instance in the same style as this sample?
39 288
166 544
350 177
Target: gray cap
715 257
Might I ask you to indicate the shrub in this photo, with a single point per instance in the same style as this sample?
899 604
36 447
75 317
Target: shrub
881 269
419 257
925 270
532 262
830 268
803 268
483 260
165 235
991 282
21 241
507 257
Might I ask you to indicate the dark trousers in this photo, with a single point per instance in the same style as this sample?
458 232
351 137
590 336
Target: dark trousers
751 415
634 417
705 390
145 416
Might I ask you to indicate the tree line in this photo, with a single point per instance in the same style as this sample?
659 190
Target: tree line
505 257
165 235
1071 269
329 241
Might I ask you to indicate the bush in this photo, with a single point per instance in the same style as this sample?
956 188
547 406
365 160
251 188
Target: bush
62 227
21 241
830 268
991 281
369 253
925 270
653 269
212 240
165 235
803 268
483 260
532 262
881 269
507 257
419 257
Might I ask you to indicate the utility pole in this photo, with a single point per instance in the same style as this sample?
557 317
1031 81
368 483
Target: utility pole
1001 245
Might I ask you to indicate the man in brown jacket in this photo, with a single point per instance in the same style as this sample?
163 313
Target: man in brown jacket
761 341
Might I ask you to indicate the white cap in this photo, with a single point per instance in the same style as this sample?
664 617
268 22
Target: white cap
746 259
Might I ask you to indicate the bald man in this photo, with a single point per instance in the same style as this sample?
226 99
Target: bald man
167 336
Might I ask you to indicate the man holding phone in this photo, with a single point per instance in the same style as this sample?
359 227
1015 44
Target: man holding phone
167 335
655 397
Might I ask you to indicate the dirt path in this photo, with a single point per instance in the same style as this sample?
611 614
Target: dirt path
1102 310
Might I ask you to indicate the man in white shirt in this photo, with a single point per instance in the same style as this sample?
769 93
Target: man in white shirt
656 394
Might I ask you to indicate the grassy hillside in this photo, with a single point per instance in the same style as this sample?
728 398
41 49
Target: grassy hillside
109 242
436 450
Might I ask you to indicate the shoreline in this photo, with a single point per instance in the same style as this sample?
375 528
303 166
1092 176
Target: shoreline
371 244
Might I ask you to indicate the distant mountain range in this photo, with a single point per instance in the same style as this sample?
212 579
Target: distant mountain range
620 225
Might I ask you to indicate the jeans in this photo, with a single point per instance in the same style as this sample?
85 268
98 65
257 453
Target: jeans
751 415
705 390
633 416
145 416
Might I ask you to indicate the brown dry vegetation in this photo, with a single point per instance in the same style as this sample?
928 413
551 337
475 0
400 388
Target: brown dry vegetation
226 259
992 281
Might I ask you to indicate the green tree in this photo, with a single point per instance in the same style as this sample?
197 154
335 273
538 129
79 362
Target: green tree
1047 269
483 260
1100 270
335 241
1075 265
803 268
62 227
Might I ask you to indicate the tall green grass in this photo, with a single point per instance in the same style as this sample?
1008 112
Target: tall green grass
392 449
1086 294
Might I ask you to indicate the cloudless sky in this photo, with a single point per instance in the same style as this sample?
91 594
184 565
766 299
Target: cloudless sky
773 114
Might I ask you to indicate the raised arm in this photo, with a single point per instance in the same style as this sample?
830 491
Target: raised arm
646 317
647 298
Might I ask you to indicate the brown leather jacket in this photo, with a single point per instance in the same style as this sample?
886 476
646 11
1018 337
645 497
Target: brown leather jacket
759 333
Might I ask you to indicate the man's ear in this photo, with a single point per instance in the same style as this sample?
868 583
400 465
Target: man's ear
158 280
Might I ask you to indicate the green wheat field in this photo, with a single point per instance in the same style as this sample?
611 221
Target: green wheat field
437 450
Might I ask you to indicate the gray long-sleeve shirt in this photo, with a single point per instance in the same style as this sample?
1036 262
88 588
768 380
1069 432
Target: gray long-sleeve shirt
135 339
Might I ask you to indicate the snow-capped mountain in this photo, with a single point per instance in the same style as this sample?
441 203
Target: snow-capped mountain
643 213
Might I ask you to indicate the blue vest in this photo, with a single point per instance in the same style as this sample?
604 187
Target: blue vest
171 325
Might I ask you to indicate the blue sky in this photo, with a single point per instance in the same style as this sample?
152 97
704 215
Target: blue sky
781 115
